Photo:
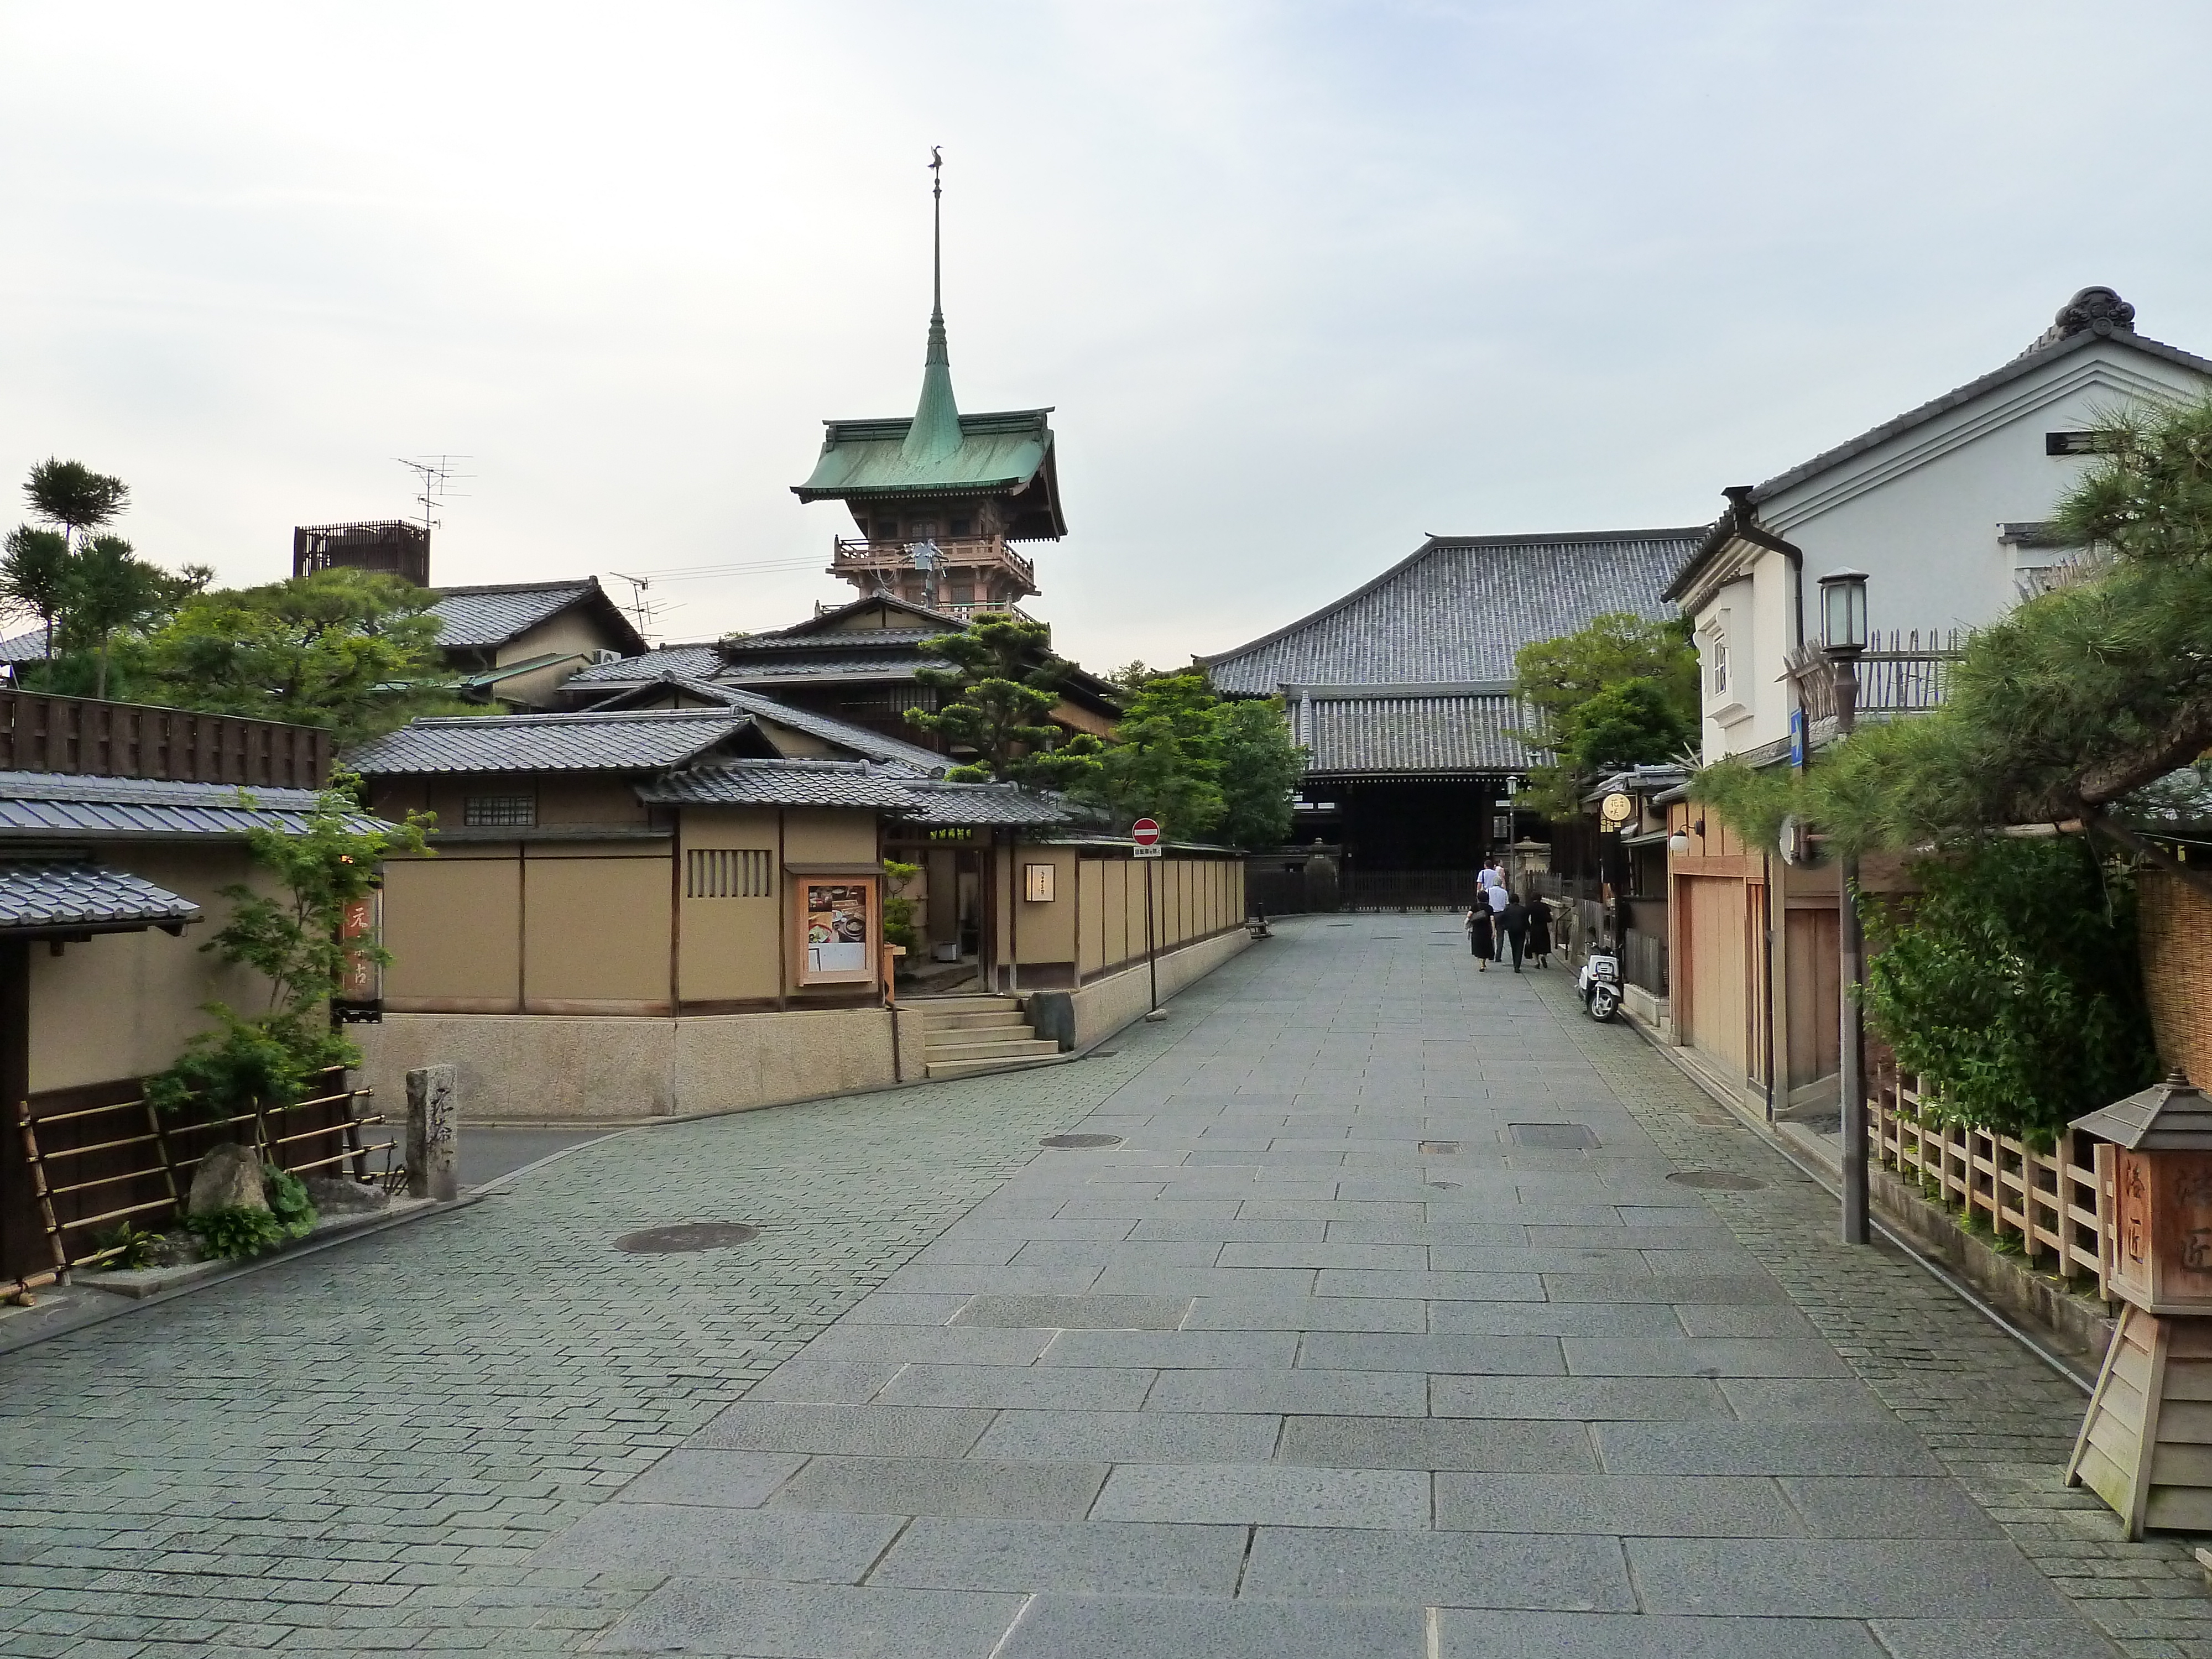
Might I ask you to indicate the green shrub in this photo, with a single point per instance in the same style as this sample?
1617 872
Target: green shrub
2009 985
287 1200
133 1247
237 1232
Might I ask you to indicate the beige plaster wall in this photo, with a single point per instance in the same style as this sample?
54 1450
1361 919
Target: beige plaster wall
453 924
535 1069
727 947
596 927
1045 930
574 634
122 1005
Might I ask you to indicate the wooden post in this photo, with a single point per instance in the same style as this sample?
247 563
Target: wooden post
431 1143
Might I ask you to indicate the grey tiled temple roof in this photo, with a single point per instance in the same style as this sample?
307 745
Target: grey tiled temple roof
923 762
24 647
1431 734
45 804
938 802
692 659
643 741
780 783
493 616
1460 609
48 896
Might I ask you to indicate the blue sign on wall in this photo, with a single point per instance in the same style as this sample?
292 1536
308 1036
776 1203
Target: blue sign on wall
1797 738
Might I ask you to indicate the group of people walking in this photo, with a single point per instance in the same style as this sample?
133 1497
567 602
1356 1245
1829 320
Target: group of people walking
1500 920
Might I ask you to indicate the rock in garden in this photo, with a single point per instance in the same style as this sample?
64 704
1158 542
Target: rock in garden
229 1178
337 1196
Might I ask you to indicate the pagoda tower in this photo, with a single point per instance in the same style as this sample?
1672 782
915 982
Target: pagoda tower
940 498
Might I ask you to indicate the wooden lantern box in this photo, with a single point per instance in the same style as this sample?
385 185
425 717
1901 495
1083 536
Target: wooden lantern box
2146 1444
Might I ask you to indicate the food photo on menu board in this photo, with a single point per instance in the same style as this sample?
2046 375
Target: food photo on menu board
838 929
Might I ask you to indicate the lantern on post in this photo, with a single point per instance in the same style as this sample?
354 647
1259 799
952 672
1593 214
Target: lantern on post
2146 1444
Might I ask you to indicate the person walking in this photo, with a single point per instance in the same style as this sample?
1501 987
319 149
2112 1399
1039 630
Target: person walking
1513 922
1540 933
1498 897
1490 876
1482 935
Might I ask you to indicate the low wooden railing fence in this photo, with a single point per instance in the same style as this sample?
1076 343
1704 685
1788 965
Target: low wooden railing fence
94 1164
88 737
2056 1205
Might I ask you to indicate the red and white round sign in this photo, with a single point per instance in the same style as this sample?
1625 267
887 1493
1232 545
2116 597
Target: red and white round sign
1144 832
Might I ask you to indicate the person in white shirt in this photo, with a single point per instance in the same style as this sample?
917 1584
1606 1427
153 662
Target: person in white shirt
1499 898
1491 876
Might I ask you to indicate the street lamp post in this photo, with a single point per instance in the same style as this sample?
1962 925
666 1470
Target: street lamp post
1843 637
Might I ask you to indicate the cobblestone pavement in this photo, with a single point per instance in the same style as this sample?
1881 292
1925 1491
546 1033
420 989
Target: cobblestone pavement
1331 1355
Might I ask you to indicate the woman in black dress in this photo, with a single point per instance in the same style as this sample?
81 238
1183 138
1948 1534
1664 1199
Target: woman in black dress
1479 935
1539 932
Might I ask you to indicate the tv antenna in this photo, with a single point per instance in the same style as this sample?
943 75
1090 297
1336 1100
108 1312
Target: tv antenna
437 475
641 609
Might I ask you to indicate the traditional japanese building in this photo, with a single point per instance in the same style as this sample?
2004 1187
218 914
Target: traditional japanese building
940 498
1403 694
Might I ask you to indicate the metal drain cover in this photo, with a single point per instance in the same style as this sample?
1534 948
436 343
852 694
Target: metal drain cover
1726 1181
1079 1143
1438 1148
687 1236
1563 1137
1447 1186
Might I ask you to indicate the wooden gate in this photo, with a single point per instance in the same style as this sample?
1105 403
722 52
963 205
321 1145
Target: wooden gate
1714 1017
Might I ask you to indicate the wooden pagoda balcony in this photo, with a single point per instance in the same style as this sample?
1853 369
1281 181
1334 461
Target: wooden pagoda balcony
849 558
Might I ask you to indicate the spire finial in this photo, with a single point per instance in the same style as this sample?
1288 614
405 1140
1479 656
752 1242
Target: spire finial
937 232
936 429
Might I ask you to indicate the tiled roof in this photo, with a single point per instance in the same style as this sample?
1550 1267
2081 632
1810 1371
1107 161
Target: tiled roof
780 783
1460 609
1440 734
909 756
938 802
828 668
36 897
671 658
37 804
25 647
493 616
847 639
647 740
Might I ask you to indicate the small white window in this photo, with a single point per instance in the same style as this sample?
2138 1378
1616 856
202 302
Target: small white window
1718 655
728 873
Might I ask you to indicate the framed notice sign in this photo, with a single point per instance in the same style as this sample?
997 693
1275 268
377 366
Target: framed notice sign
837 926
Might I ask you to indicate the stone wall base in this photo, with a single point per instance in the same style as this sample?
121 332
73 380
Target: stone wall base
531 1068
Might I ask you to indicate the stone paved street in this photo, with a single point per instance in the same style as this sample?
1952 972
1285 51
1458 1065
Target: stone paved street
1382 1331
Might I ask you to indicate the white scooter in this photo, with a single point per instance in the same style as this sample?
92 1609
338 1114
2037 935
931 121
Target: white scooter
1599 986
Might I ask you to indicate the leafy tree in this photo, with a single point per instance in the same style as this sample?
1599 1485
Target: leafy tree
109 588
292 939
1260 770
34 573
1003 683
353 650
74 496
1996 985
1164 762
1620 691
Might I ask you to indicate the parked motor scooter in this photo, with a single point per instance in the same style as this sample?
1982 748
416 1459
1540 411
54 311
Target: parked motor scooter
1599 986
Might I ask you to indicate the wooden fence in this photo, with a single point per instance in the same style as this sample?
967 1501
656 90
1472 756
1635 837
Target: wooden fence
2056 1205
90 1159
88 737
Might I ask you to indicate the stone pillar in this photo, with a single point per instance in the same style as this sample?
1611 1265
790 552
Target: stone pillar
432 1146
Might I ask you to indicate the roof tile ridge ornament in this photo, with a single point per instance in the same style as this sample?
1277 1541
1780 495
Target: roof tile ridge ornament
2095 310
935 432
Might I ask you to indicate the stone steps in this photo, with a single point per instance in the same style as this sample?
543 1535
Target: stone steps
963 1035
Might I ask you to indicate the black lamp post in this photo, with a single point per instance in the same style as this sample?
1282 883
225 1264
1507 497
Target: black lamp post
1843 637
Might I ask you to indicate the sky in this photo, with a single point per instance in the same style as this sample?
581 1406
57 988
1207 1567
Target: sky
1303 282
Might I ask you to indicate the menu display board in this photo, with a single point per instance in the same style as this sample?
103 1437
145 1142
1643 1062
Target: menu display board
837 930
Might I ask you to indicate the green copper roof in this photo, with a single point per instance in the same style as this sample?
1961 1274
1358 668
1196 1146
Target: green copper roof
956 453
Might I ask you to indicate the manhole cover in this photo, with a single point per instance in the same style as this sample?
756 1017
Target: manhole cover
1079 1143
1726 1181
1565 1137
687 1236
1437 1148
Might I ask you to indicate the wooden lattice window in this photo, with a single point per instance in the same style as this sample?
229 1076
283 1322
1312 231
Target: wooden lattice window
728 873
500 812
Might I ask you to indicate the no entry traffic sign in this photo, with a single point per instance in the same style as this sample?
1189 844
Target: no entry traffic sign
1144 832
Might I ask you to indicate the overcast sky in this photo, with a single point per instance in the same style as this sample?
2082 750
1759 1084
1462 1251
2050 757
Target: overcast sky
1304 282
